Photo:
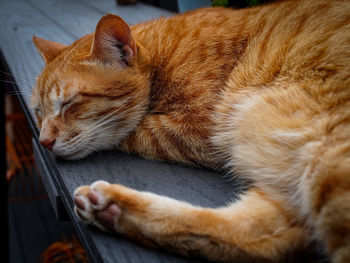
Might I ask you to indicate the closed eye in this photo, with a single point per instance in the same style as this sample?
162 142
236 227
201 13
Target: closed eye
66 104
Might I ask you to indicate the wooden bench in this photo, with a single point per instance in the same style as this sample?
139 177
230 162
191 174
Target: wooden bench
65 21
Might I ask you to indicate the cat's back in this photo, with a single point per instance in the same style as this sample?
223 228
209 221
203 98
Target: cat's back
289 94
300 38
285 34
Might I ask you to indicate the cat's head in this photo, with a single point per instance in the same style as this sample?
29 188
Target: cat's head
90 94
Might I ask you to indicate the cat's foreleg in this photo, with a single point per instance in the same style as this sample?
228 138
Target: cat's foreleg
254 228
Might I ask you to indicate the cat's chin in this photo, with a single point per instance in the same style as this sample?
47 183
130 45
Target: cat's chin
74 156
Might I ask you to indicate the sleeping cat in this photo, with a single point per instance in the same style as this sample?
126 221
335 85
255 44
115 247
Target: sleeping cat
263 92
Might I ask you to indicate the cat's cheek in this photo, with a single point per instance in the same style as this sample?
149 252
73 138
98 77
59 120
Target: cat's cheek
71 133
39 120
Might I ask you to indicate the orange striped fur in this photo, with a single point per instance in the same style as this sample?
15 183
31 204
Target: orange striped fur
263 92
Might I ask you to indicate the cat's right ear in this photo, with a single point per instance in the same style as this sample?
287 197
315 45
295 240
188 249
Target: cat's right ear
48 49
113 41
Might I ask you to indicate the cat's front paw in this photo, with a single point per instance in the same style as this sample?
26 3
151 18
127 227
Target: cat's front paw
95 205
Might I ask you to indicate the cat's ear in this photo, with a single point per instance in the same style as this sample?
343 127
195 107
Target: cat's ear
113 41
48 49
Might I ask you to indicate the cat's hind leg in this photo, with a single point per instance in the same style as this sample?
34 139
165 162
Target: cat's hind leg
285 141
328 194
254 228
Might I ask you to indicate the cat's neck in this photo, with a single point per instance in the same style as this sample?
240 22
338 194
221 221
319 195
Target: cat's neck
186 77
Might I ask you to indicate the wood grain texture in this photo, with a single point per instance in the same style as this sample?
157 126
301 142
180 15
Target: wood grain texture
64 21
131 14
54 197
189 184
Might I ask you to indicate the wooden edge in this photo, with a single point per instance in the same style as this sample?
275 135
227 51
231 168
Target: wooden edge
66 198
51 190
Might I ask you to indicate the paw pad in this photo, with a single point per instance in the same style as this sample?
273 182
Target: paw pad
93 206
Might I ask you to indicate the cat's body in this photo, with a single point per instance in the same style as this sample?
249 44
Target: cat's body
263 92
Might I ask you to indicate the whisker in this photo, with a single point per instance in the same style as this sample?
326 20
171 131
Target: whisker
11 92
105 119
17 93
16 83
100 123
112 113
90 133
17 77
94 132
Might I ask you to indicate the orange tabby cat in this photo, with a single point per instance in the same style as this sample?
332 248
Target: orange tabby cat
263 91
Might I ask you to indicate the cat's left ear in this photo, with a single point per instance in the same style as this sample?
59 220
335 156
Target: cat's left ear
49 50
113 41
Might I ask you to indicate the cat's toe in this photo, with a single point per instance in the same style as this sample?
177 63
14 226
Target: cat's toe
100 195
83 208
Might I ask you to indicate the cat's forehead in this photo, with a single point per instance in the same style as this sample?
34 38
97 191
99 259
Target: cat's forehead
58 86
69 87
55 89
55 94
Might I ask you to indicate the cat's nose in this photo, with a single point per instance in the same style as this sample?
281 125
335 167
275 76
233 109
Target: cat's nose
48 143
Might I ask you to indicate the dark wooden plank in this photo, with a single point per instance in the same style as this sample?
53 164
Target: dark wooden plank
131 14
50 186
81 17
70 16
189 184
197 186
